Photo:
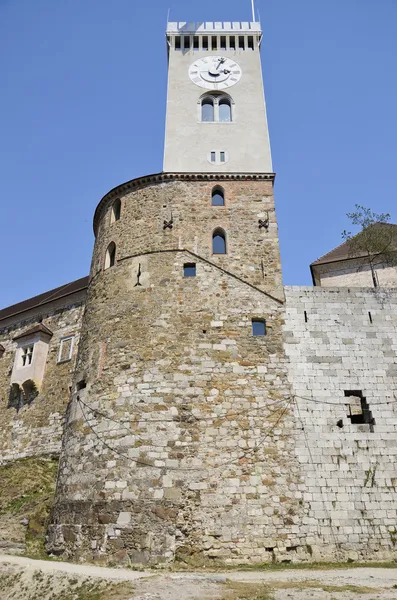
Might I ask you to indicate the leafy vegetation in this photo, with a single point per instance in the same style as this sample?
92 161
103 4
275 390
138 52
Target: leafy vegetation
375 244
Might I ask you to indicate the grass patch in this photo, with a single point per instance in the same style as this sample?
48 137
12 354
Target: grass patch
251 591
247 591
27 491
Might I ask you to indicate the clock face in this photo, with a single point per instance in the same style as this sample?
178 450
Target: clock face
215 72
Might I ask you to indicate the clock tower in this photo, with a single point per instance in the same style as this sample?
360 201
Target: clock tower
216 113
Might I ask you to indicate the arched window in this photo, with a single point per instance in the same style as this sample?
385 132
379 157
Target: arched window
110 257
225 110
116 211
219 242
218 197
207 110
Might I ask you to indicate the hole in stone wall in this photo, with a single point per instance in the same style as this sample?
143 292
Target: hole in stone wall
358 409
81 385
306 319
370 316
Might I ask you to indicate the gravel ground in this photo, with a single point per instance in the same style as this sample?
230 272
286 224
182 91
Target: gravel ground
26 579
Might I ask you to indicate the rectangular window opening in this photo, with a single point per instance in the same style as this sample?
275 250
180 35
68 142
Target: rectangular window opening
222 157
213 157
358 409
250 42
258 327
205 42
66 349
189 270
214 42
186 42
232 42
27 355
195 42
177 43
223 42
241 42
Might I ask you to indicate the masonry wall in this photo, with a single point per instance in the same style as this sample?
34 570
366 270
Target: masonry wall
252 252
354 273
180 437
349 473
36 428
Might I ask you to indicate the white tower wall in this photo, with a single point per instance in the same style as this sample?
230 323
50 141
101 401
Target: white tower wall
188 141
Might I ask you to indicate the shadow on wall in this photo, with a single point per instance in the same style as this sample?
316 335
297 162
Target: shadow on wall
23 395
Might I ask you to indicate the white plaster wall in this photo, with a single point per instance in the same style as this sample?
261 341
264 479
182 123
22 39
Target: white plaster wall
349 475
188 141
353 273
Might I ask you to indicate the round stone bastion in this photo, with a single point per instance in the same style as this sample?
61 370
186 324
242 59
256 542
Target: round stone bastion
179 436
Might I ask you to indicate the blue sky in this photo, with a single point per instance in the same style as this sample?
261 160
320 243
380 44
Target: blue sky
82 108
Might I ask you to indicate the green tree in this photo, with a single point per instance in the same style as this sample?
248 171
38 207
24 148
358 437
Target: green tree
375 244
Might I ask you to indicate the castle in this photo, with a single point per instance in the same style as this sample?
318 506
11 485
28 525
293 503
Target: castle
201 409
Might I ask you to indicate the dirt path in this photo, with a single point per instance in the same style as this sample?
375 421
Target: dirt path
26 579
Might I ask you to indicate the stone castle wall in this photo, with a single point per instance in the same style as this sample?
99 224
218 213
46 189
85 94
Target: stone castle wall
36 428
354 273
337 340
180 439
252 252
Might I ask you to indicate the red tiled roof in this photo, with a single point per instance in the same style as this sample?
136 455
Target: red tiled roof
342 252
50 296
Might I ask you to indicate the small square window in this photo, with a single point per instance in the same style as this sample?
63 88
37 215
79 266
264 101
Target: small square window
66 349
258 327
213 157
189 270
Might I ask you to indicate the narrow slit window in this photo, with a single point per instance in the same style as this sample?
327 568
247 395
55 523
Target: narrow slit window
213 157
258 327
189 270
177 43
232 42
116 211
186 42
250 42
241 43
222 157
195 42
223 42
218 197
214 42
370 317
205 42
219 242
